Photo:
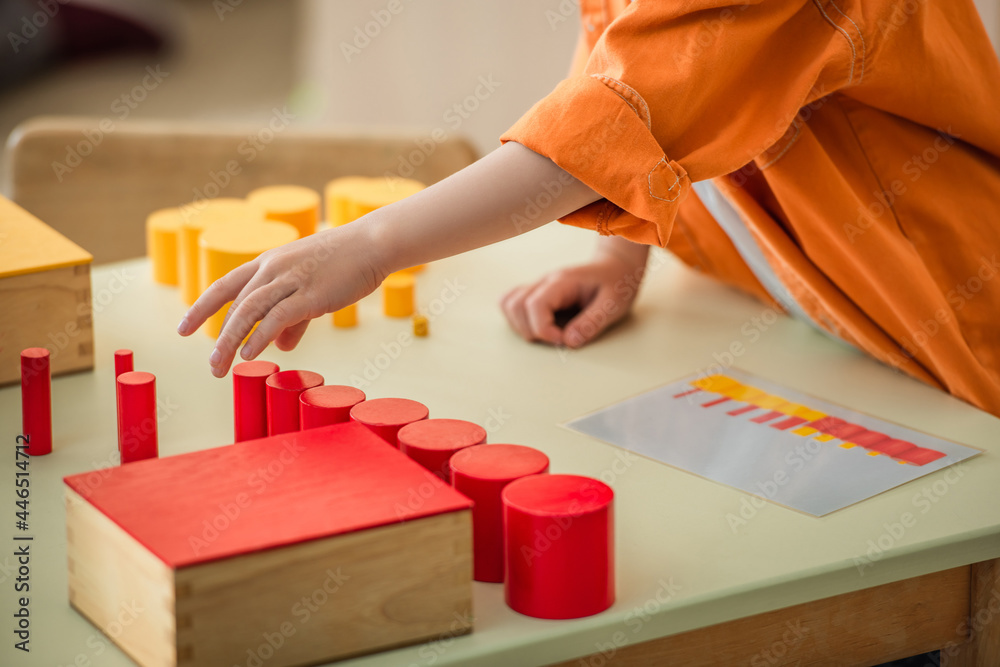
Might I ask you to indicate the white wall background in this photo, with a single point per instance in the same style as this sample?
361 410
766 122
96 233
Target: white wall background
431 56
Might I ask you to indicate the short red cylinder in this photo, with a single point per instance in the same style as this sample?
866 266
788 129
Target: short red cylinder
137 438
283 389
432 442
250 399
559 546
331 404
481 472
123 362
385 416
36 400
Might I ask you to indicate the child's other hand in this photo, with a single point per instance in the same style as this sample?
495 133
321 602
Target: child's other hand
283 289
603 290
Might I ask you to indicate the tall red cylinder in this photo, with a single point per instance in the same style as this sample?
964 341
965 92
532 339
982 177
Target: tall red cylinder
250 399
559 546
481 472
283 389
137 437
432 442
330 404
385 416
36 400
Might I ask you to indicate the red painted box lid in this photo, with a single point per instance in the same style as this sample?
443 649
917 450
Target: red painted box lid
262 494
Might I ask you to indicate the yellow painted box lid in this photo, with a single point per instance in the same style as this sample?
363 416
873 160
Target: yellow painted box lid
28 245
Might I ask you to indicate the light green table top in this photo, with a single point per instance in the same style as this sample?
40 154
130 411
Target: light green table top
680 564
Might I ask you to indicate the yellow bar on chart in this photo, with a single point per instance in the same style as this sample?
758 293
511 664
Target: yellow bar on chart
771 402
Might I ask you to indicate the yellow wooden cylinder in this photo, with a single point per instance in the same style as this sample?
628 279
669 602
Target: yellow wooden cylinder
197 217
339 194
397 295
225 246
163 230
380 192
294 204
346 317
421 326
353 197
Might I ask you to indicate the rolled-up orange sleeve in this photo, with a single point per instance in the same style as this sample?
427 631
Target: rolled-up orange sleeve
680 91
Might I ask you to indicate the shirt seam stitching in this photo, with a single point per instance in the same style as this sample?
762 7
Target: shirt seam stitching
847 36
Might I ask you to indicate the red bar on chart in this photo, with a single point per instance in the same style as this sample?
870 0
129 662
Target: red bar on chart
785 424
742 411
847 431
767 416
892 447
825 424
868 438
715 402
920 456
687 393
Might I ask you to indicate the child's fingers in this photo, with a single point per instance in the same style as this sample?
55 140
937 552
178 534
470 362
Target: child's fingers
592 320
542 303
256 281
251 310
512 305
288 312
290 337
218 293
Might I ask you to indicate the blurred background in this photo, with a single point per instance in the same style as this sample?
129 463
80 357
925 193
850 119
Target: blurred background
341 65
465 68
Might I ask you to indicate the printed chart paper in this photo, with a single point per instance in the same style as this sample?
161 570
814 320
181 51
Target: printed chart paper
771 441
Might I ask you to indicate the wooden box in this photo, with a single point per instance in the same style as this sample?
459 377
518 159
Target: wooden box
290 550
44 295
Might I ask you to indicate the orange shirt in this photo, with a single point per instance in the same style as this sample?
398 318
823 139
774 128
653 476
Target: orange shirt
859 140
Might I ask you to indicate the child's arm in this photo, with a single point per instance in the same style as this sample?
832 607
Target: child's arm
284 288
603 289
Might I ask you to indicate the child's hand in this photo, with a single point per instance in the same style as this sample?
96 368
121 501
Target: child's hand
603 289
284 288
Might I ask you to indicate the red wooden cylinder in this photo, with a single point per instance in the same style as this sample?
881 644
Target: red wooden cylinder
36 400
283 389
481 472
123 362
331 404
559 546
432 442
137 416
250 399
385 416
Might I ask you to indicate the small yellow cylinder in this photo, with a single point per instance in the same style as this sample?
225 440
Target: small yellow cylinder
420 326
397 295
294 204
196 217
162 239
228 245
346 317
